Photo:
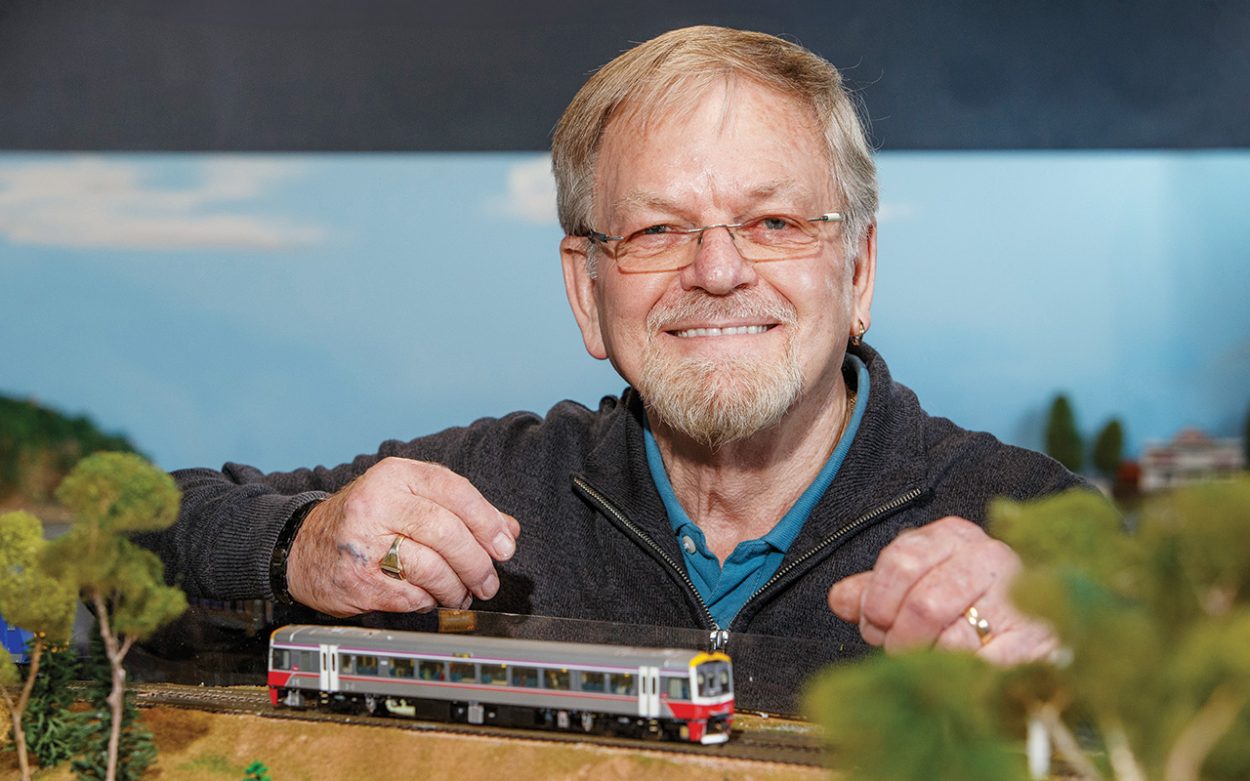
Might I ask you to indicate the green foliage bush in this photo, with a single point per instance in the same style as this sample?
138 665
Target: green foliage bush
256 772
1156 667
52 732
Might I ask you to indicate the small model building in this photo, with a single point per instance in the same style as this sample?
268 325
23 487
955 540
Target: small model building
1190 457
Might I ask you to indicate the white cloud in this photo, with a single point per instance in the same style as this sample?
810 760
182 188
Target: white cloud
530 195
93 202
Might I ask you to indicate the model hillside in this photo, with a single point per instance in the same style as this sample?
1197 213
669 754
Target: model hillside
39 446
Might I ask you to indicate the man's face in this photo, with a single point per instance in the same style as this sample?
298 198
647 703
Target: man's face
723 347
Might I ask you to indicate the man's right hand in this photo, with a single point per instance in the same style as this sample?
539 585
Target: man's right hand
452 534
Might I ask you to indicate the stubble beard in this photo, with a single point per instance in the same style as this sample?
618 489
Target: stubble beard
717 401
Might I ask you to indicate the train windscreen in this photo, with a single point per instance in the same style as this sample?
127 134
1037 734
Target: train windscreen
714 679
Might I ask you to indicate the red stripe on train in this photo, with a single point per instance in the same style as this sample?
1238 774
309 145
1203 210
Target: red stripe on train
277 680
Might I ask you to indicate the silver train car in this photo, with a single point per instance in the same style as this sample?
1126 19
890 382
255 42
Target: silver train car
641 692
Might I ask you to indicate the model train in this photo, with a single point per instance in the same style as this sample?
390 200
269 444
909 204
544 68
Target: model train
641 692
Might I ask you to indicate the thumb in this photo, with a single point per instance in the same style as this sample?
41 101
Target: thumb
844 596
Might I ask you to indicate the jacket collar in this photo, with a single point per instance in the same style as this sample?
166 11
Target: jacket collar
886 459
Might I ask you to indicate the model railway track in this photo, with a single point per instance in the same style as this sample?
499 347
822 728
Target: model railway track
759 746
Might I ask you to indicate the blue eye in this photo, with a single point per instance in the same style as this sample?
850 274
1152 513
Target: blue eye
655 230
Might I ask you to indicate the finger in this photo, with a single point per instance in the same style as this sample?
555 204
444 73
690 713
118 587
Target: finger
872 634
514 526
939 599
400 597
457 495
908 559
844 596
443 532
961 635
424 568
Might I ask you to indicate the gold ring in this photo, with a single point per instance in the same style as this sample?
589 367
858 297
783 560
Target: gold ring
391 565
981 626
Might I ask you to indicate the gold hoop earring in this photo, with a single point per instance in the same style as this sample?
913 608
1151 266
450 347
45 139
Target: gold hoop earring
858 337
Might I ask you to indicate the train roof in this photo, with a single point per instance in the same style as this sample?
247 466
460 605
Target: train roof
504 649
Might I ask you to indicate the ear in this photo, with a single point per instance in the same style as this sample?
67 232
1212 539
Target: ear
864 279
582 291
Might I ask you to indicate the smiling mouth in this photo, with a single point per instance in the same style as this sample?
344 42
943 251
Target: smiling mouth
736 330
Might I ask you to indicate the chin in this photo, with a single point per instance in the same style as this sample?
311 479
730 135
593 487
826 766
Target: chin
716 402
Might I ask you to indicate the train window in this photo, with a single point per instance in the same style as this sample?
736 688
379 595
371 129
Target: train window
525 676
714 679
431 671
621 683
495 674
592 682
308 660
402 668
366 665
347 664
556 679
281 659
460 671
676 688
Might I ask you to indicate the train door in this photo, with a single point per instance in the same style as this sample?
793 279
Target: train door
329 668
649 692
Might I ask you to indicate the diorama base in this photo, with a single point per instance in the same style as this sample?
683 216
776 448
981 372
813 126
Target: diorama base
200 746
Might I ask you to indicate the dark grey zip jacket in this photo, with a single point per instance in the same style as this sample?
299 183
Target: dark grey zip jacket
595 541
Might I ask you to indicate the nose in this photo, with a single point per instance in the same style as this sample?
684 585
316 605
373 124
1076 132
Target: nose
718 267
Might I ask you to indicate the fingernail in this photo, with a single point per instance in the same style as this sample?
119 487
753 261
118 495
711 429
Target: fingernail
490 586
504 546
468 600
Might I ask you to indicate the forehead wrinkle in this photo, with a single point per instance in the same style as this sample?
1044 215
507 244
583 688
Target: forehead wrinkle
641 199
779 188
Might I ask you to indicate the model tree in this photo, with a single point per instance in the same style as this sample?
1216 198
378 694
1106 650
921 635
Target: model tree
900 718
1063 440
34 600
52 730
110 496
135 751
1109 448
1155 666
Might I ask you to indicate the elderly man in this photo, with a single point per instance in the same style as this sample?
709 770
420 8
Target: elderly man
762 473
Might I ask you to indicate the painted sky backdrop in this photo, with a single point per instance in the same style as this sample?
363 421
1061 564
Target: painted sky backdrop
289 310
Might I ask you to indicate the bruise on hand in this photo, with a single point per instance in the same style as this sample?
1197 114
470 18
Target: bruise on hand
350 549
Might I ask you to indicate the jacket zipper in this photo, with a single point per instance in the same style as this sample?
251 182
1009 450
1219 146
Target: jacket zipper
611 509
872 515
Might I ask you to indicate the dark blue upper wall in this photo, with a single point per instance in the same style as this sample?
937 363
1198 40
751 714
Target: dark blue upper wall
409 75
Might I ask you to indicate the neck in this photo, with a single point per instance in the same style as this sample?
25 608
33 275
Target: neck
739 491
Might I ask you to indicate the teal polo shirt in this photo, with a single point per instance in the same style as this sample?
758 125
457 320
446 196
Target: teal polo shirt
726 589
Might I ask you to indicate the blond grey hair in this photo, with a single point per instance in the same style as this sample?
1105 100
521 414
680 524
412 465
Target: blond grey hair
650 78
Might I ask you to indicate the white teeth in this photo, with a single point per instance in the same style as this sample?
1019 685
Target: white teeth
733 331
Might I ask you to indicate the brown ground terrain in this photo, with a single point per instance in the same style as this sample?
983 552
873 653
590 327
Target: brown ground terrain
199 746
50 513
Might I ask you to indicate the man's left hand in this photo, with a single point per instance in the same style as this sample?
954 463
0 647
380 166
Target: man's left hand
923 586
